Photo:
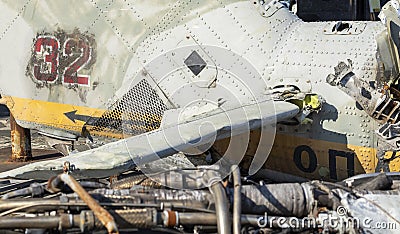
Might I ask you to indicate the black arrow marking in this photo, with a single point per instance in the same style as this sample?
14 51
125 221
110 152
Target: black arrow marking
85 118
92 120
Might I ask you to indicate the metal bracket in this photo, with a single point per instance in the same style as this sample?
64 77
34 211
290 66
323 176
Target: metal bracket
268 8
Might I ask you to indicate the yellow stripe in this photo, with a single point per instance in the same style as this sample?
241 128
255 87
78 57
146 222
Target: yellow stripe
50 114
282 156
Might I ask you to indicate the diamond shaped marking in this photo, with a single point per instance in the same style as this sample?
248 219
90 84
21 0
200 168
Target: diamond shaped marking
195 63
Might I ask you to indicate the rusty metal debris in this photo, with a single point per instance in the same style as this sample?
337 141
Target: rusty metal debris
20 142
239 204
123 76
106 219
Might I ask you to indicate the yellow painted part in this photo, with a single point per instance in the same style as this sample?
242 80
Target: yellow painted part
282 157
312 101
50 114
282 154
394 164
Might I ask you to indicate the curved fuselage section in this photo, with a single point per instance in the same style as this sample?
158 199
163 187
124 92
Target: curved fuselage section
69 63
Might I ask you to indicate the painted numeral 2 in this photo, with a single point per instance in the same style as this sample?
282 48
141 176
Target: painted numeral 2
76 54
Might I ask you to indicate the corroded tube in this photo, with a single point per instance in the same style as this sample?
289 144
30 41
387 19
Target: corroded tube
20 142
102 214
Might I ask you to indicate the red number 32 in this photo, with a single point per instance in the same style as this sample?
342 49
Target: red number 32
48 65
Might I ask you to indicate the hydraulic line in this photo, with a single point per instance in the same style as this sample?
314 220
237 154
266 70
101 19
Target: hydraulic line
63 221
133 218
221 208
35 189
237 204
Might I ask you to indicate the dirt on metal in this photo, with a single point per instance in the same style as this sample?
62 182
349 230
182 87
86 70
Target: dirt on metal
102 214
20 142
40 149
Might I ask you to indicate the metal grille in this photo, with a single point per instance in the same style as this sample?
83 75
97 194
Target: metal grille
140 110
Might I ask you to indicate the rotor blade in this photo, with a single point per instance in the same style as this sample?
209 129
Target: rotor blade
122 155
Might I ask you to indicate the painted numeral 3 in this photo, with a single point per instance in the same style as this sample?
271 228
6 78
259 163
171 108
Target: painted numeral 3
46 62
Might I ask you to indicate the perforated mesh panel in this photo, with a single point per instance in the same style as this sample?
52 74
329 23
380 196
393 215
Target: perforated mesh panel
139 110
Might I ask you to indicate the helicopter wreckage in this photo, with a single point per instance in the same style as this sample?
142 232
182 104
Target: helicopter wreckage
135 185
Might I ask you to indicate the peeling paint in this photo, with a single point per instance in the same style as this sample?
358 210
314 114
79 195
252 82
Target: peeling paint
62 58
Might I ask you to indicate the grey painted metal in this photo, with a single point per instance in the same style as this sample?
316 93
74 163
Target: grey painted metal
284 50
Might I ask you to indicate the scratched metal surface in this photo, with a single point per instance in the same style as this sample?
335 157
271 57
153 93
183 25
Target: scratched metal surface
130 34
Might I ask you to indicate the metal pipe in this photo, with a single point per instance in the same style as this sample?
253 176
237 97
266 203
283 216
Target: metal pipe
28 222
35 205
41 205
20 142
208 219
221 208
197 218
237 199
102 214
17 193
135 218
35 222
34 189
